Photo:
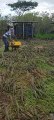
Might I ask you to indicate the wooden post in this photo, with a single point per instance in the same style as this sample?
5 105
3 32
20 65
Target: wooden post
32 30
23 30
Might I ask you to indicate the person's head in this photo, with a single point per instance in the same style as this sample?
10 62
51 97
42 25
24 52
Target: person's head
9 27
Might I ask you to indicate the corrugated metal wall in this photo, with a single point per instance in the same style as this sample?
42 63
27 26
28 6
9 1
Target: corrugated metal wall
27 30
18 30
23 30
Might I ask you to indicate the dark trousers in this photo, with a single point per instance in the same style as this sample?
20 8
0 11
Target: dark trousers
6 43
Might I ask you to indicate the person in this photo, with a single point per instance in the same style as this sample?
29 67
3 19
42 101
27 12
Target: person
6 36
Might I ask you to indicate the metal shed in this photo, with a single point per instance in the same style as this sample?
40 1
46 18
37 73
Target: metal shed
23 29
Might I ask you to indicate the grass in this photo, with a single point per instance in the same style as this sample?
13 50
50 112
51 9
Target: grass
27 82
44 36
47 102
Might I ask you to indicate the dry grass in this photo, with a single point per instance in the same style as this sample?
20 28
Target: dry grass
24 75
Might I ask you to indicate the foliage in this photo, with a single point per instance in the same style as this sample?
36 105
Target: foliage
41 28
3 26
44 36
23 5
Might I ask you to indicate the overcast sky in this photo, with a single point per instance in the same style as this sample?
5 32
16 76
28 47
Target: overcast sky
43 5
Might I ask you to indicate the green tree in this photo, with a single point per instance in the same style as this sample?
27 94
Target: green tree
22 6
3 26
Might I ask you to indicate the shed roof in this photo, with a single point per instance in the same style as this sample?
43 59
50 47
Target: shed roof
24 22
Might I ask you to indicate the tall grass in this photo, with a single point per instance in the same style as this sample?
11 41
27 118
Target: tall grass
44 36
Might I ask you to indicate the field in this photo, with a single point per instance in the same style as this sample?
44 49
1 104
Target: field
27 81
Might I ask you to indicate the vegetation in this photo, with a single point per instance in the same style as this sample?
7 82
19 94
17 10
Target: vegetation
23 5
27 74
42 29
3 26
27 81
44 36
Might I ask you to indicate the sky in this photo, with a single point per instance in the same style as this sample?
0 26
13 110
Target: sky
43 5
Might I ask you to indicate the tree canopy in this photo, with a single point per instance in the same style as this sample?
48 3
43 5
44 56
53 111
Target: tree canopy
23 5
